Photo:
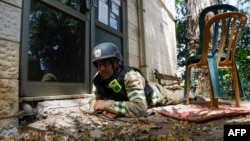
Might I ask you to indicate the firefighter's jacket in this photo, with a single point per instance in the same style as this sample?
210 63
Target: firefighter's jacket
136 95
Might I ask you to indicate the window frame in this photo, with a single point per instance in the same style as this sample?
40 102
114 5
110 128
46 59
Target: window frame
41 89
35 90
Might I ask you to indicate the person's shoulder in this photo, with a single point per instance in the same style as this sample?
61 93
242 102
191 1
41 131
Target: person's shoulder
129 69
133 74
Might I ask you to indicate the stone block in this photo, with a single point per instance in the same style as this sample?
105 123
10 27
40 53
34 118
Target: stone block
17 3
10 18
8 123
9 59
132 4
133 60
133 31
132 16
64 107
9 104
133 47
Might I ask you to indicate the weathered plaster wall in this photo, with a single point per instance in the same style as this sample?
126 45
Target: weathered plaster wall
159 36
10 17
133 33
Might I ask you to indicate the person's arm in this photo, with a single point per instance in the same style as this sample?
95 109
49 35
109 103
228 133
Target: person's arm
137 104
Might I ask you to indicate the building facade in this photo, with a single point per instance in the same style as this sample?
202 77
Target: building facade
45 46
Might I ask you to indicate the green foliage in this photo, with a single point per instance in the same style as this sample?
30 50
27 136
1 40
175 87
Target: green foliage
181 32
243 65
243 51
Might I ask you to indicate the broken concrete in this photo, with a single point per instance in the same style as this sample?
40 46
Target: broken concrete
64 107
74 119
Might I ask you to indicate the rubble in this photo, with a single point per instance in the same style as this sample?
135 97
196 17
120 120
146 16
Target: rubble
73 119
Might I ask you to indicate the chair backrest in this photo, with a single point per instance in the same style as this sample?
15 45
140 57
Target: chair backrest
229 26
206 14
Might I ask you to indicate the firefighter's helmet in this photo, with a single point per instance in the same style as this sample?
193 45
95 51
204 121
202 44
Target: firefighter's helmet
105 51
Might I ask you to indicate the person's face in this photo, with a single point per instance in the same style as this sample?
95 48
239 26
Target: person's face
105 68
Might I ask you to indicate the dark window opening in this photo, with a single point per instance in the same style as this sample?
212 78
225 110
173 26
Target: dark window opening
56 45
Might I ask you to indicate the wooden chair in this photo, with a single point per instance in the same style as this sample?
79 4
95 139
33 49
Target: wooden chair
218 51
204 16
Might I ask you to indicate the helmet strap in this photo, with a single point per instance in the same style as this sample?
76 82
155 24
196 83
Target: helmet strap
113 83
114 69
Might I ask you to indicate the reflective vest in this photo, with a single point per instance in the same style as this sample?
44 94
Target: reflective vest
107 93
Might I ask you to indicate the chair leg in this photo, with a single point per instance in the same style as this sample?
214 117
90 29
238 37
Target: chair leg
213 101
242 93
214 76
236 86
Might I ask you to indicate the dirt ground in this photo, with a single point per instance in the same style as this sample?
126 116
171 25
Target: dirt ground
98 128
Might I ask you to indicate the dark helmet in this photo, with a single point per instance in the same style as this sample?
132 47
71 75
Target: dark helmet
105 51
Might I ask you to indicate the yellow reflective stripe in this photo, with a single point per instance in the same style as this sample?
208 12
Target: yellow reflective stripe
120 107
136 94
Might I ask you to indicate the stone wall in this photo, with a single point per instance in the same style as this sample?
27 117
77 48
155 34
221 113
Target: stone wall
10 17
158 36
133 33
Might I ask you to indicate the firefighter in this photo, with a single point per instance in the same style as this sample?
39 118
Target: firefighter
122 90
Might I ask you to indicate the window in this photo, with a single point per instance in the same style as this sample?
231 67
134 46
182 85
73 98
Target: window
56 44
54 47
